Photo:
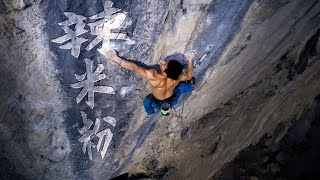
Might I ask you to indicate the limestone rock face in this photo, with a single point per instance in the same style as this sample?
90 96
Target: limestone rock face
69 113
14 5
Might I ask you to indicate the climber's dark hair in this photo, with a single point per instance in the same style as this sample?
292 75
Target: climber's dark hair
174 69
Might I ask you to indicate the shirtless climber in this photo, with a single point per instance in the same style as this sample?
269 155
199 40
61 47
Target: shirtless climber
167 85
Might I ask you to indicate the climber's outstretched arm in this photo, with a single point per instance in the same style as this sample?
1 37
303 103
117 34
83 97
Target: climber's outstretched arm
144 73
188 75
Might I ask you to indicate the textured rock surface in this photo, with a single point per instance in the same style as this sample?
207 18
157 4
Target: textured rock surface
280 154
263 70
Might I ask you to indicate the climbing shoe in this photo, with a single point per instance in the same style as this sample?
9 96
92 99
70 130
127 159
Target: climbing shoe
191 81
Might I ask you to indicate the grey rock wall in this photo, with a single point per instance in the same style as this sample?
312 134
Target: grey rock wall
68 113
290 152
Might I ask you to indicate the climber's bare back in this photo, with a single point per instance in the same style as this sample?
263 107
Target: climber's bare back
162 86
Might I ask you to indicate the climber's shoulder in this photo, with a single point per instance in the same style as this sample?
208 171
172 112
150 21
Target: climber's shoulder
149 74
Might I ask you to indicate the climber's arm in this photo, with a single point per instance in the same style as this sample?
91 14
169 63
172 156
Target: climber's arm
144 73
188 75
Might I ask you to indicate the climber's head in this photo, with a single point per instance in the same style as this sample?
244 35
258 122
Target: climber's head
172 68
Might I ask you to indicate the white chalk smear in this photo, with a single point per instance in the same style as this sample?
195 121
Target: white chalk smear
125 90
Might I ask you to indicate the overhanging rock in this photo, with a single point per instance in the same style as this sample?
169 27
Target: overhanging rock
67 112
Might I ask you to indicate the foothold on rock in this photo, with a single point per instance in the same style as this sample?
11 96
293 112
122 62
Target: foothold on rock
248 36
265 159
60 147
185 132
152 165
275 168
58 154
264 170
280 158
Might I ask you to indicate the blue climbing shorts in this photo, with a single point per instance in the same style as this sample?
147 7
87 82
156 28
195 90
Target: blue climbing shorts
149 102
